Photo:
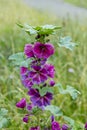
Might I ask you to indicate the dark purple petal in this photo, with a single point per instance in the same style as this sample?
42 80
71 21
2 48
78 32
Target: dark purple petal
52 118
23 70
50 70
65 127
35 128
43 78
52 83
21 103
37 68
25 119
38 100
86 126
28 50
55 126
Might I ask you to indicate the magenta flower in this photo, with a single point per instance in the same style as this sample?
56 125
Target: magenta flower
21 103
55 126
28 50
65 127
23 70
38 100
27 81
52 83
38 74
86 126
25 119
29 107
35 128
50 70
43 50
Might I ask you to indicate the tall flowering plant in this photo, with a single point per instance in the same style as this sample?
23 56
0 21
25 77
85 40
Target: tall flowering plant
37 76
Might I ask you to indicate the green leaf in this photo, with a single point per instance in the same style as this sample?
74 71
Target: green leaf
3 112
4 122
67 43
69 120
44 90
54 110
19 59
69 90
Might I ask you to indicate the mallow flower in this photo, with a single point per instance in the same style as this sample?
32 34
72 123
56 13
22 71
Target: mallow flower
38 100
55 126
21 103
38 74
25 118
28 50
65 127
43 50
35 128
50 70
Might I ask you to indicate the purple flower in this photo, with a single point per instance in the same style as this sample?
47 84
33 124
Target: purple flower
23 70
86 126
21 103
29 107
52 83
39 61
38 74
35 128
25 119
43 50
65 127
27 81
38 100
55 126
50 70
28 50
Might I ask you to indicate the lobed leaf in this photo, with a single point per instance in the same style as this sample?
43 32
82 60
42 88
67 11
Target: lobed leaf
54 110
67 43
69 90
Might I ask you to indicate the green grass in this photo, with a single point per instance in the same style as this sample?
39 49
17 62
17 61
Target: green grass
81 3
13 39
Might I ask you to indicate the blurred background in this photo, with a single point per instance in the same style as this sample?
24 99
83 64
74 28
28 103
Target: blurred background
71 67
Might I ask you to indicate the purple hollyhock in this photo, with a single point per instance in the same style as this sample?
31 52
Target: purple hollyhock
86 126
35 128
55 126
28 50
50 70
52 83
65 127
21 103
38 74
43 50
38 100
25 118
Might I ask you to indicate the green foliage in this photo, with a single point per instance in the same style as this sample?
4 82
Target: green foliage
69 120
20 60
69 90
41 30
66 42
54 110
4 121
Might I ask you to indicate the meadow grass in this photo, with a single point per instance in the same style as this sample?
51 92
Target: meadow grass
81 3
13 39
